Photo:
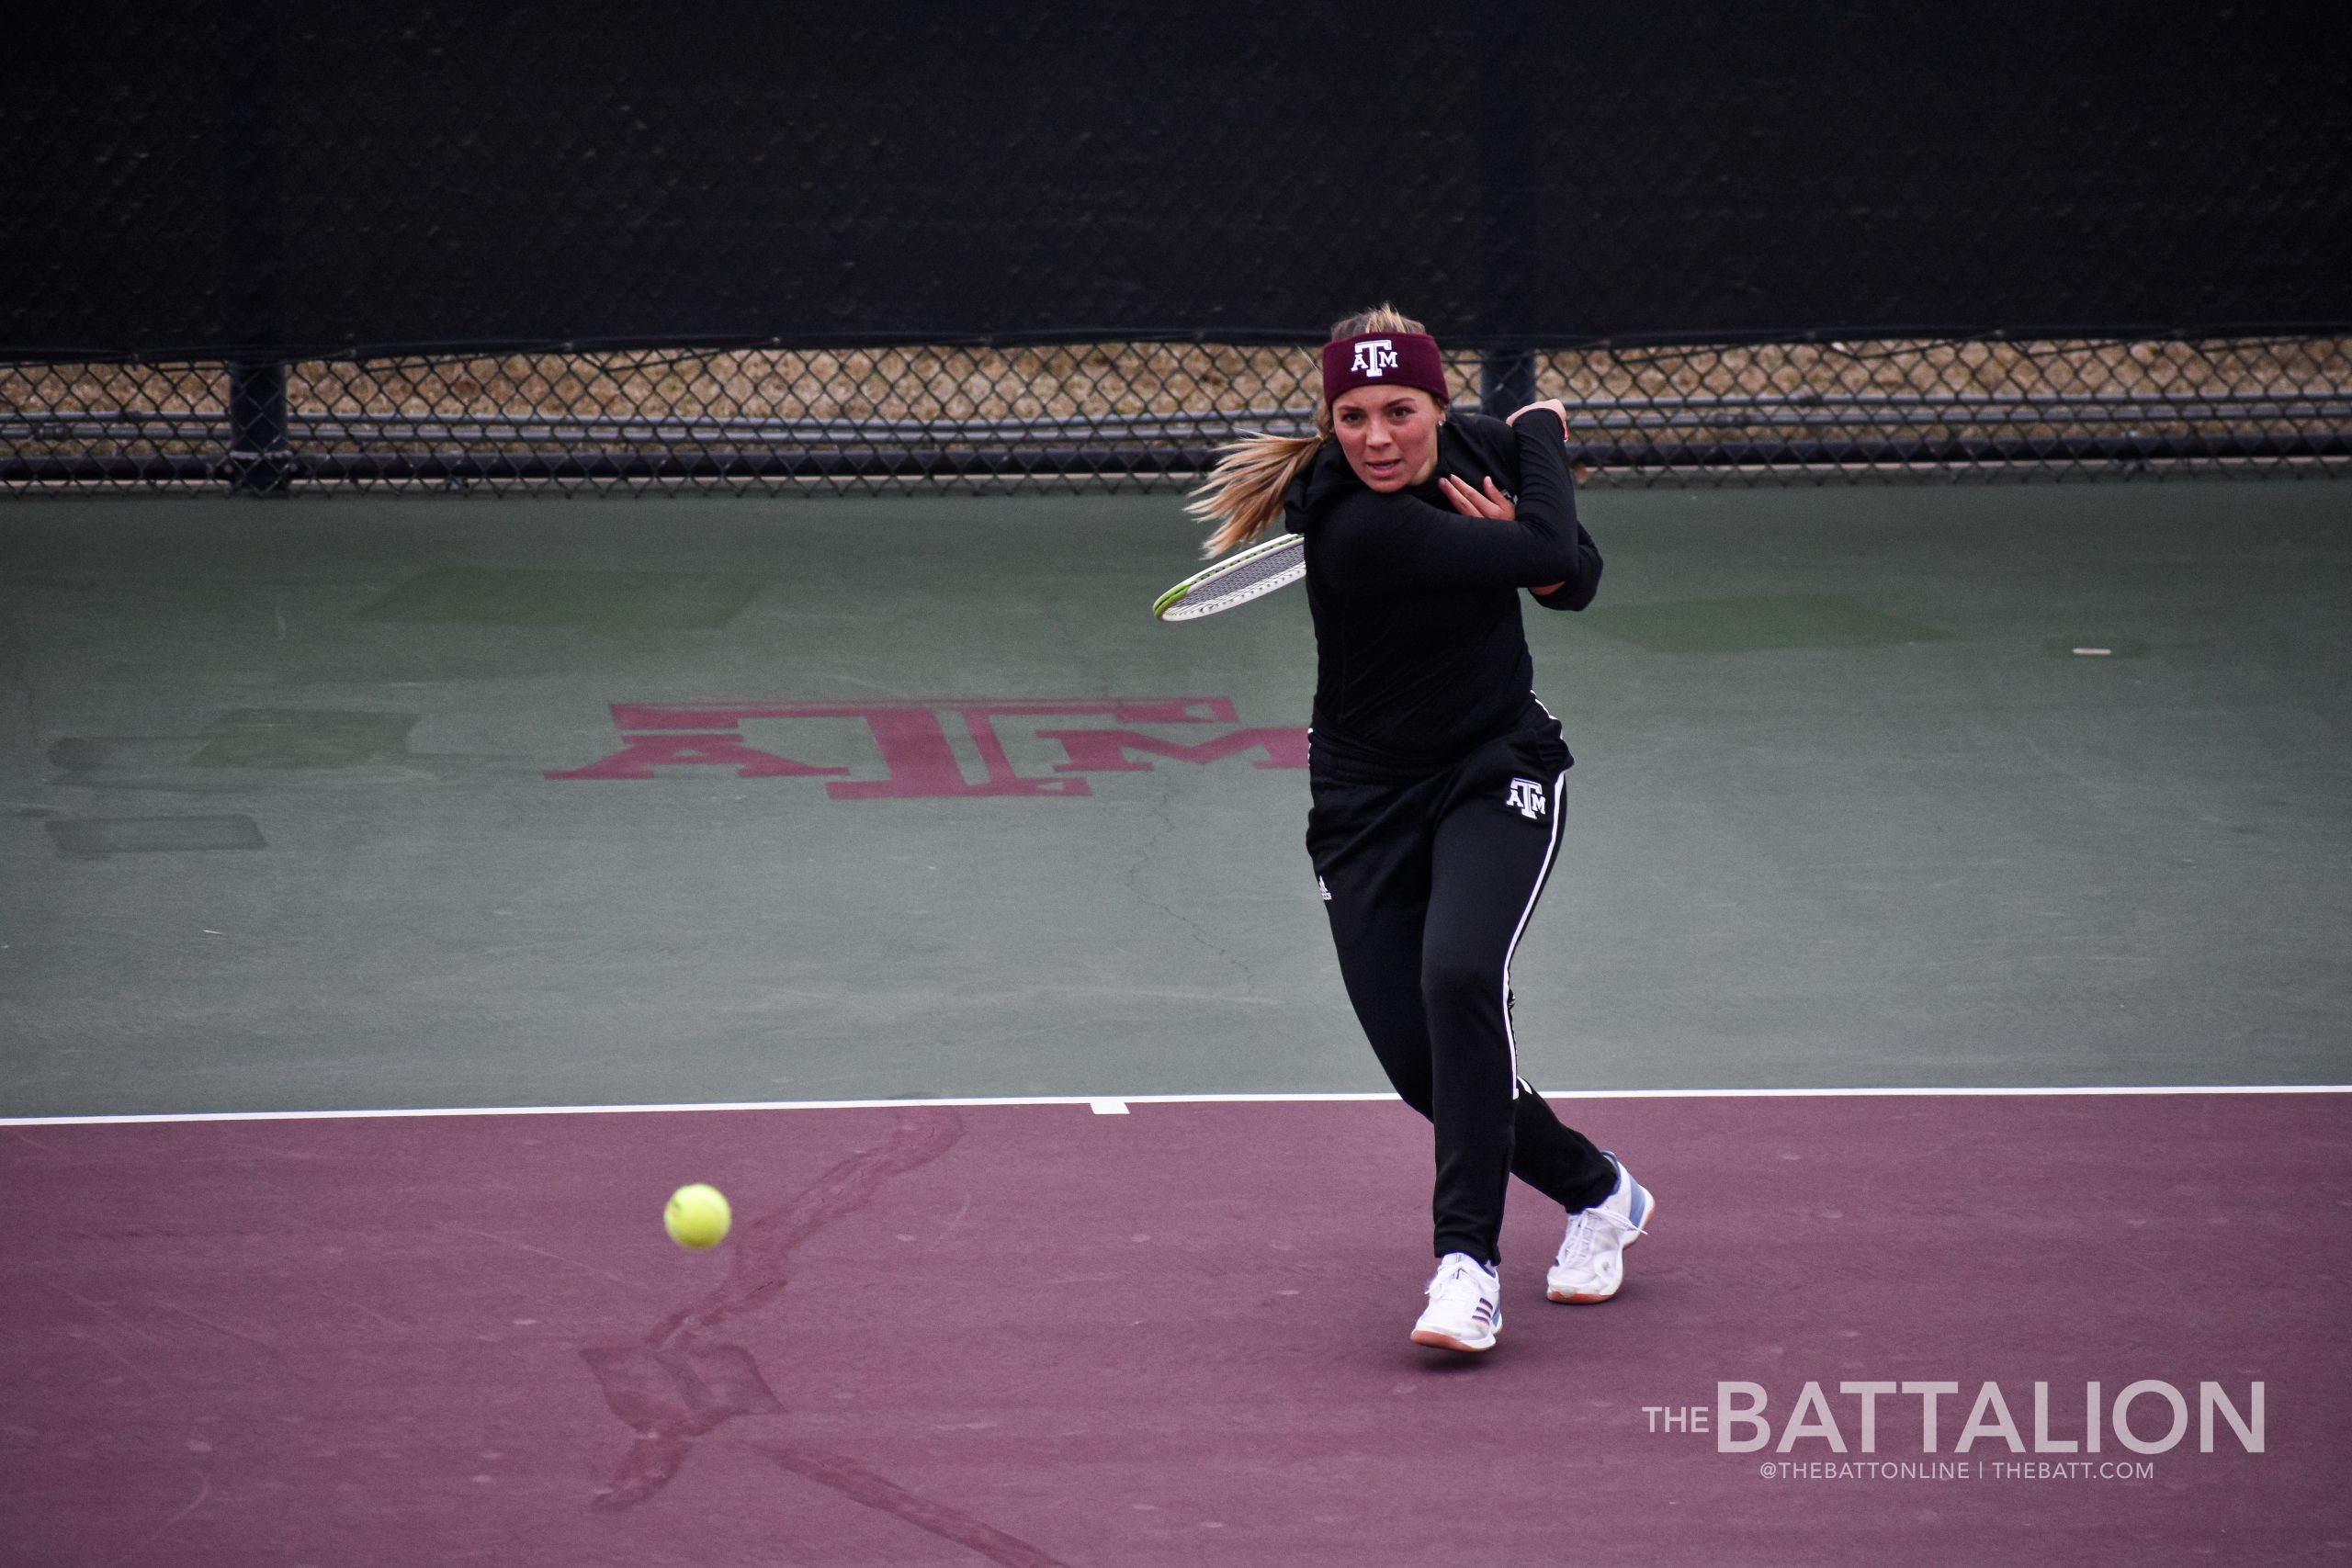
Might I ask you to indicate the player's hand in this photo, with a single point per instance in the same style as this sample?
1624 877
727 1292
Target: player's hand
1555 404
1492 504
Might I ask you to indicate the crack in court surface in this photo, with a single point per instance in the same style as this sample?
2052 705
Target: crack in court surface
678 1383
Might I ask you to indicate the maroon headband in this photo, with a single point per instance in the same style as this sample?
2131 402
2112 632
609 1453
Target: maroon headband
1385 359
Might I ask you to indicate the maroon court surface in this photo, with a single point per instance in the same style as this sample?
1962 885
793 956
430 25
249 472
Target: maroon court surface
1035 1334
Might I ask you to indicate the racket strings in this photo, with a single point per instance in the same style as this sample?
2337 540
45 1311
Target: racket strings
1243 580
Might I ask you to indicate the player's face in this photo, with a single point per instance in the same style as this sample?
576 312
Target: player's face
1389 434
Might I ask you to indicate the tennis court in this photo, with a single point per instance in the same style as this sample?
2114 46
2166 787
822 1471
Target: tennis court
577 618
1973 1005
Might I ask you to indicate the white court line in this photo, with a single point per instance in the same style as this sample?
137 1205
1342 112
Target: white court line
1099 1101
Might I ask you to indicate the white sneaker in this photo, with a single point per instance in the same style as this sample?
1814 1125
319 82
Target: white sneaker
1466 1308
1592 1264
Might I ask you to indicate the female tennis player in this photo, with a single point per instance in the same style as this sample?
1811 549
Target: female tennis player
1435 772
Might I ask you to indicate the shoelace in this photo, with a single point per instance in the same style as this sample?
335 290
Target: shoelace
1458 1281
1581 1239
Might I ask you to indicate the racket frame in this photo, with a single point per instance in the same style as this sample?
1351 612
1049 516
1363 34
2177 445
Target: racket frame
1171 605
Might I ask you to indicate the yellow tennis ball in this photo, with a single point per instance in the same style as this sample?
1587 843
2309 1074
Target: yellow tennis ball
698 1216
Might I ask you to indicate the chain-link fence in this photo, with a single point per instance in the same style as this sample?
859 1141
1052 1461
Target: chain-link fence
448 242
1152 414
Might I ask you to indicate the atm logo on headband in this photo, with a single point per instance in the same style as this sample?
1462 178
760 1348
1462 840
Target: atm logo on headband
949 747
1375 356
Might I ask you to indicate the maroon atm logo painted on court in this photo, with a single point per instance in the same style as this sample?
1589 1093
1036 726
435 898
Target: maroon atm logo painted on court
920 760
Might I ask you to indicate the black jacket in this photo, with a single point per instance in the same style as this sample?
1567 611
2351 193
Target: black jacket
1421 654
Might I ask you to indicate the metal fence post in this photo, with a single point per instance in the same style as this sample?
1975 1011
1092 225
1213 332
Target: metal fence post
1509 116
1505 381
260 462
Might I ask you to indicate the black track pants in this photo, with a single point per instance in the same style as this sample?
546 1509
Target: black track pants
1429 886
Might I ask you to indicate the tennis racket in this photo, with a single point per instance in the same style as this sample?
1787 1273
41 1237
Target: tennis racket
1252 574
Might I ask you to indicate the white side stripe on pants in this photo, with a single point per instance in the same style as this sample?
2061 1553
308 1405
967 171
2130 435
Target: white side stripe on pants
1542 874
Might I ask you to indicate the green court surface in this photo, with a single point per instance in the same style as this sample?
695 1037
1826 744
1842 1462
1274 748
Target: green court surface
912 798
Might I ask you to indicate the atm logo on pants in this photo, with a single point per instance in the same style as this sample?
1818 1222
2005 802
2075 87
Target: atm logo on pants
1527 797
949 747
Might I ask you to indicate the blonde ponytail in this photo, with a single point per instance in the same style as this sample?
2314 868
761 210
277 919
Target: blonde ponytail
1243 494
